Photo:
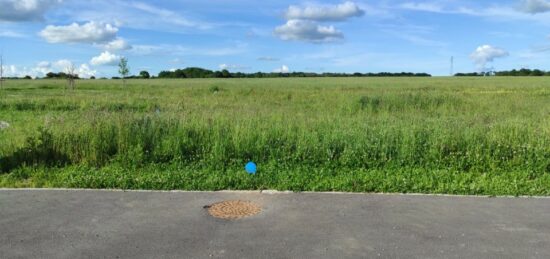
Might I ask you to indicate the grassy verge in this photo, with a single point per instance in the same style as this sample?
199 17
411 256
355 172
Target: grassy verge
441 135
174 177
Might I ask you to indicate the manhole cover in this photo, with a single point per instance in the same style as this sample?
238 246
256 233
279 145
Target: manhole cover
233 209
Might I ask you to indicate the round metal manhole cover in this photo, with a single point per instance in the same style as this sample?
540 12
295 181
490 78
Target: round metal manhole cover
233 209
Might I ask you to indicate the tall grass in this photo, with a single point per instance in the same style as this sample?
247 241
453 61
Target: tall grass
442 135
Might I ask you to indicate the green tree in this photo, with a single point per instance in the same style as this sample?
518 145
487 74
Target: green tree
144 74
226 74
123 69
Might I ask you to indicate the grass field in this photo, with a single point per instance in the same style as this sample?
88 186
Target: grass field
486 136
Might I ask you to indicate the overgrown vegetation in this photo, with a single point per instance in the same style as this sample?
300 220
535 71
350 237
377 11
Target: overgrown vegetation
433 135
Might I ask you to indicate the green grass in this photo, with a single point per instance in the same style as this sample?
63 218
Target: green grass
486 136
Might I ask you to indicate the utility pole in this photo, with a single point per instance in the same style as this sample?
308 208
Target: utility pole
452 65
1 72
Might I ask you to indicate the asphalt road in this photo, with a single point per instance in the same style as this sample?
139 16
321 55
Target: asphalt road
114 224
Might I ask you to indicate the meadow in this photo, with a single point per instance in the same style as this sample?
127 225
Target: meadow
471 135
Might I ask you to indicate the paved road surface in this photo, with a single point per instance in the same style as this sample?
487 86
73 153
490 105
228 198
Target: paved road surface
107 224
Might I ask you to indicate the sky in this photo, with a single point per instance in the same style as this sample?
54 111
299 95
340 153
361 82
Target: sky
41 36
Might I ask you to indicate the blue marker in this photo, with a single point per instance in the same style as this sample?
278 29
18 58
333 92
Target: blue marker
250 168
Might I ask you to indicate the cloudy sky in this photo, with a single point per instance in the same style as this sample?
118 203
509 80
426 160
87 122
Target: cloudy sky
39 36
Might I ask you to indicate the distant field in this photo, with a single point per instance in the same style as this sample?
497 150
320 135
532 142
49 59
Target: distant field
424 135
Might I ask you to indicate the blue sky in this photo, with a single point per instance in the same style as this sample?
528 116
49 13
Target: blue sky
39 36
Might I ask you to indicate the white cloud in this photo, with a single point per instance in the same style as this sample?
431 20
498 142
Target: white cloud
233 67
485 54
44 67
84 71
10 34
139 15
535 6
41 69
524 11
10 71
25 10
425 7
62 64
283 69
116 45
91 32
105 59
144 50
303 22
300 30
324 12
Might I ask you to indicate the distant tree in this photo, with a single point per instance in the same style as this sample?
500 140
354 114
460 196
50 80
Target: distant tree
144 74
123 69
92 77
27 77
71 76
226 74
537 72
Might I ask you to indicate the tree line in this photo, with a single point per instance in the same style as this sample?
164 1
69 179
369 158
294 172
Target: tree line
197 72
514 72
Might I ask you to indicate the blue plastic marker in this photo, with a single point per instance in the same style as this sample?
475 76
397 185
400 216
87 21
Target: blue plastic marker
250 168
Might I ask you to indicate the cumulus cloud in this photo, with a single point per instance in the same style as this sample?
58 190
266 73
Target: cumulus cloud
300 30
324 12
84 71
485 54
91 32
10 71
283 69
105 59
25 10
41 69
44 67
62 64
303 22
116 45
535 6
